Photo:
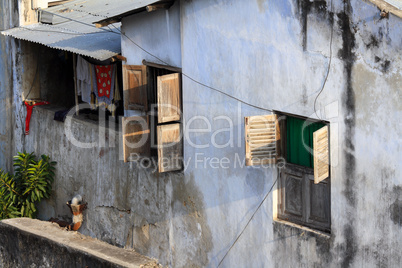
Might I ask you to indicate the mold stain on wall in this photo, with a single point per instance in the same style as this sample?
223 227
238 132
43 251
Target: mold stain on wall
190 224
396 207
305 7
346 54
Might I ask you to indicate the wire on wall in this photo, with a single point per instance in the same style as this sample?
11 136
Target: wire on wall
230 96
149 53
192 79
251 218
329 63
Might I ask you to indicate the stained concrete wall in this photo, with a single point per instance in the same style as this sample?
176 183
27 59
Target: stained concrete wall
9 19
274 54
18 66
158 32
33 243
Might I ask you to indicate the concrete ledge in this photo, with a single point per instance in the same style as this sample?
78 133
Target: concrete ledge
26 242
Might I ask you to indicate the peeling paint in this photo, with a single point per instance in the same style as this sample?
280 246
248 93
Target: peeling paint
263 55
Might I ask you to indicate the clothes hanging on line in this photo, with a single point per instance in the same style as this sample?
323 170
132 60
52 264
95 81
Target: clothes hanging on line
105 76
98 85
115 98
85 73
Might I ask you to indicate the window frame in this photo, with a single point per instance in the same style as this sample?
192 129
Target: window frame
305 175
165 140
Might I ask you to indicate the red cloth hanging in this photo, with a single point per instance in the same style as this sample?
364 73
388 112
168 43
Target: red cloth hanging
29 113
104 80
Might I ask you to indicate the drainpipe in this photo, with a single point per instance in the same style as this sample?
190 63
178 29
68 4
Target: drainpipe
76 208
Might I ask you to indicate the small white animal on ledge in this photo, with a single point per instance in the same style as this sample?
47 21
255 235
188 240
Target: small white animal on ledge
76 208
76 200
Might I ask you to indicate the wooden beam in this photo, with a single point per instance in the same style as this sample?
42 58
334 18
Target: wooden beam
51 4
158 6
118 58
162 66
106 22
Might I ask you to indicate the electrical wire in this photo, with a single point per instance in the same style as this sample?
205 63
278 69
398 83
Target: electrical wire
26 97
83 23
194 80
149 53
329 63
202 84
226 94
34 80
245 227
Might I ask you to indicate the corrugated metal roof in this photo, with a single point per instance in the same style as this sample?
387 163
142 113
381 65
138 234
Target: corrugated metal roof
72 27
100 45
395 3
123 8
104 9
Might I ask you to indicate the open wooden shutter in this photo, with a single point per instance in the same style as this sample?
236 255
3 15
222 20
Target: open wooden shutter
321 154
135 87
136 138
169 100
170 148
262 133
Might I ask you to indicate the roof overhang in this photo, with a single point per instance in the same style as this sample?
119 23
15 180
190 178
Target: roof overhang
389 6
70 26
127 8
100 45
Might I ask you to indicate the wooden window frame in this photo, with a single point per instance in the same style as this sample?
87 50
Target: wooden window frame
305 176
151 79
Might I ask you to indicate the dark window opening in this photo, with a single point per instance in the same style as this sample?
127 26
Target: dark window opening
300 199
153 109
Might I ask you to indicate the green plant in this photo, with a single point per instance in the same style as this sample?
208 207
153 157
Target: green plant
32 182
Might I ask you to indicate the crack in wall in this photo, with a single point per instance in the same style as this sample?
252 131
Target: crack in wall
128 211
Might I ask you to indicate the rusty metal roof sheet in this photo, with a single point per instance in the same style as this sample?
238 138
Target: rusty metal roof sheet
70 27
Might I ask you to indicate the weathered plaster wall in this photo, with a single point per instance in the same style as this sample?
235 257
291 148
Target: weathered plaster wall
273 54
128 206
17 74
32 243
9 19
158 32
27 15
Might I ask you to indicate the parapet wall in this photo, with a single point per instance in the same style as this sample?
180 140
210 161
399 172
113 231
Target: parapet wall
32 243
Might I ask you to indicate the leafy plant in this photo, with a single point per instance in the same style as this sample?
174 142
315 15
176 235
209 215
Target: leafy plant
32 182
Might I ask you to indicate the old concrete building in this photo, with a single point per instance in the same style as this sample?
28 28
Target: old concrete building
313 64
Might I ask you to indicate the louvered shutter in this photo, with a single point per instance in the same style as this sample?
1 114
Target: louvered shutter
169 100
136 138
321 154
135 87
262 133
170 147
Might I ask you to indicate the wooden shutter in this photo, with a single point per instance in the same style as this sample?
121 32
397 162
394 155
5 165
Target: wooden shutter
170 148
136 138
135 87
321 154
169 100
262 133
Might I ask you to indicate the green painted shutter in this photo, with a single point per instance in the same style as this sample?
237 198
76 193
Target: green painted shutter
300 141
